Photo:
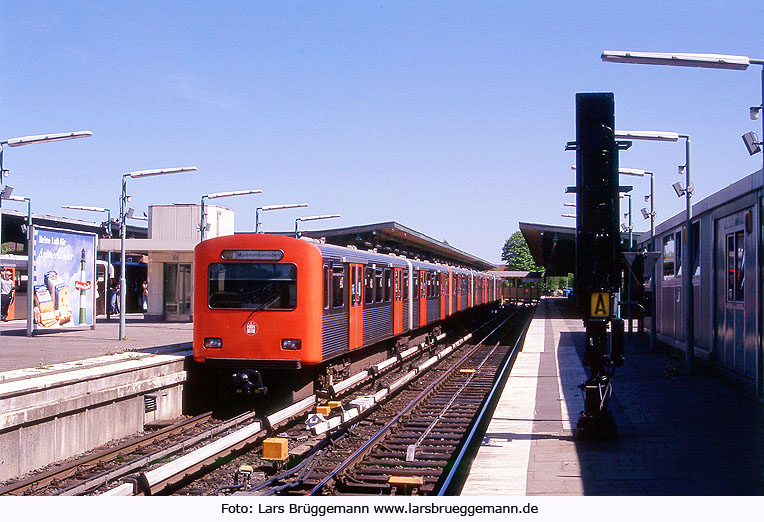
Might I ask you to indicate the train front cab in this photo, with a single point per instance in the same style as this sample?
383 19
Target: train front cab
258 304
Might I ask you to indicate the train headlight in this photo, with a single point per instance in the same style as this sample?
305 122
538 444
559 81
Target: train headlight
213 342
291 344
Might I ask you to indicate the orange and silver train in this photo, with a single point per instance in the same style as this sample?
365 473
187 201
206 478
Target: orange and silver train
275 305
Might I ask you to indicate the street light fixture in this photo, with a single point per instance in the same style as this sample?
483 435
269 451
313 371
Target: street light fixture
107 276
274 207
31 140
123 215
312 218
30 260
216 195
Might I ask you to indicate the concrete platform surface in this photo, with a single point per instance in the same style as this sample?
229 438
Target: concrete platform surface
678 434
18 351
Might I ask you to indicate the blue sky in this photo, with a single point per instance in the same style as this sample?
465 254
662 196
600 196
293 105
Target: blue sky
448 117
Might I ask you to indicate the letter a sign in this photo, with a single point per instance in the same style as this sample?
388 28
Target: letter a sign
600 304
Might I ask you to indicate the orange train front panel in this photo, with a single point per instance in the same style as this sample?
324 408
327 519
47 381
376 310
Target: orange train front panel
258 297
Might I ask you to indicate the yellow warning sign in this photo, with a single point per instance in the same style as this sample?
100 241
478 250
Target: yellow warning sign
600 304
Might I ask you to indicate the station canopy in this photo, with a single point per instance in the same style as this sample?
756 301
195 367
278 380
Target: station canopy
392 237
552 247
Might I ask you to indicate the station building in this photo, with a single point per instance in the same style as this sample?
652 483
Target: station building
163 254
726 272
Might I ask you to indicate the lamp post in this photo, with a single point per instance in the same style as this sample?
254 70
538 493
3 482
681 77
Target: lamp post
710 61
312 218
642 173
274 207
32 140
689 250
628 279
30 260
123 215
203 224
107 276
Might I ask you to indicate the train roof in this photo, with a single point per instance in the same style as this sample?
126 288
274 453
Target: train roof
392 237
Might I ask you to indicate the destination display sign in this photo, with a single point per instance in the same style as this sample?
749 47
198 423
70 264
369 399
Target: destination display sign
253 255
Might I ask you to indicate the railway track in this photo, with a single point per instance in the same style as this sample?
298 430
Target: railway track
410 414
414 450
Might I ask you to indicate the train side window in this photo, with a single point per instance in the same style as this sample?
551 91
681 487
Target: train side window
405 284
327 286
388 285
379 284
368 285
338 286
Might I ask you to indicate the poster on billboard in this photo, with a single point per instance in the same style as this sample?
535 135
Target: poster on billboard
63 278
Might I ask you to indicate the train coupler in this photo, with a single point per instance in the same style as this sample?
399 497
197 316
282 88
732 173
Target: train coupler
248 382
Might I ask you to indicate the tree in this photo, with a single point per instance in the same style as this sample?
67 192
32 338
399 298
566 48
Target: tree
517 254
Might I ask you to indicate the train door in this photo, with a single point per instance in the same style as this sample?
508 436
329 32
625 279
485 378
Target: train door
443 294
458 291
422 297
397 301
355 319
450 306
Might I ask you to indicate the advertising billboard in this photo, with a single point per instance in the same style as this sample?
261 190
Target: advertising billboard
63 278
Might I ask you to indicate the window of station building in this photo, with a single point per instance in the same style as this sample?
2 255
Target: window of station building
736 267
678 254
668 256
696 248
388 285
368 285
338 286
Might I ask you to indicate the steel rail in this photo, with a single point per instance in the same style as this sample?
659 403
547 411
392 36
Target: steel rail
135 464
455 478
368 445
69 469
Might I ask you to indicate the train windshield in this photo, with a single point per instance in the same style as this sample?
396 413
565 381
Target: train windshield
253 286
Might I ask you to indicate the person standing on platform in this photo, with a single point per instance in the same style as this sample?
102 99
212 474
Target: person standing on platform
7 292
113 298
145 297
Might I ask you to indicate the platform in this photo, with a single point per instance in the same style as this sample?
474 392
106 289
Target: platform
678 434
45 348
63 393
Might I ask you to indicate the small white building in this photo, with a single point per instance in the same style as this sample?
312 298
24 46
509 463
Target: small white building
172 235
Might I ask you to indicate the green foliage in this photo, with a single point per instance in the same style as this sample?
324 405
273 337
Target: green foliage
557 282
517 254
